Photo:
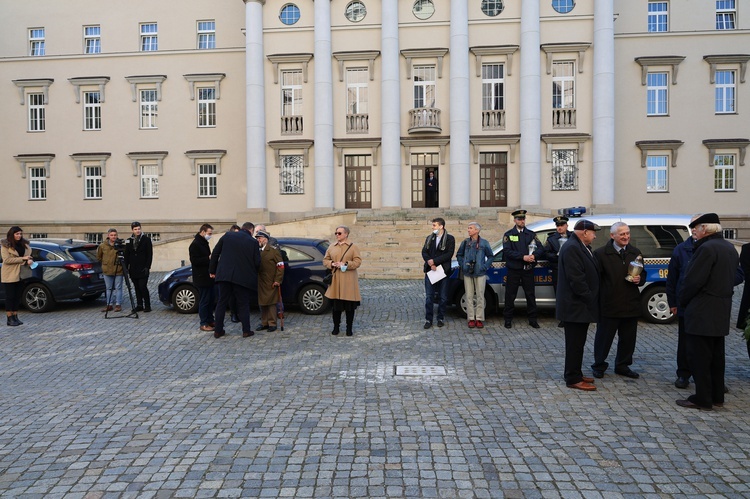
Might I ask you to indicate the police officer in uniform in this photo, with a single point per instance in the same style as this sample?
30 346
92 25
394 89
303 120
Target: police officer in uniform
520 261
552 248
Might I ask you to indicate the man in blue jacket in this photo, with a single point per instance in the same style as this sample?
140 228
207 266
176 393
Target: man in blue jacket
437 251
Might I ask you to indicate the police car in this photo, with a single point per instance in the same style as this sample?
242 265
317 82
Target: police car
655 235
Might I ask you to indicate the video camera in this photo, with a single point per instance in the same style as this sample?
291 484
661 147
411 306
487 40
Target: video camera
119 244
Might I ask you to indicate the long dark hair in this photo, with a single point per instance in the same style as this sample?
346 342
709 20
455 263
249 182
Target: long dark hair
10 240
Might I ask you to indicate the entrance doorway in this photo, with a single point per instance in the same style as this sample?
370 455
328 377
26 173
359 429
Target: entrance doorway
358 181
493 179
423 195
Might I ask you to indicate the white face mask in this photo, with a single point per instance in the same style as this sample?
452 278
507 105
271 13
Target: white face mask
207 236
436 232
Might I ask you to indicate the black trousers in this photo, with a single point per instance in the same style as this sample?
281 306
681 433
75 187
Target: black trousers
683 368
142 298
227 290
12 295
706 359
526 279
625 328
575 341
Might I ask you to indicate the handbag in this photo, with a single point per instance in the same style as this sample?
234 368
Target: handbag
328 279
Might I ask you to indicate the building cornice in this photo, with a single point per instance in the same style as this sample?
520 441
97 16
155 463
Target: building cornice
660 60
658 145
714 60
506 50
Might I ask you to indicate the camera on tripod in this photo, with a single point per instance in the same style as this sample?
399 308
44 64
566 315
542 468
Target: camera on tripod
119 244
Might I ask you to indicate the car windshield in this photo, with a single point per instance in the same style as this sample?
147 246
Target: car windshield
83 253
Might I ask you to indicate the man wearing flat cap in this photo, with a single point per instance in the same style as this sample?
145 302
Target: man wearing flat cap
521 250
270 275
577 303
706 298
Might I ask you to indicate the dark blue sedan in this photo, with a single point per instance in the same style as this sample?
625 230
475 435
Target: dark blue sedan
303 280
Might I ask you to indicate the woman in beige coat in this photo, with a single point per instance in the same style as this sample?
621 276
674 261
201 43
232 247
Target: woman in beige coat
343 259
16 253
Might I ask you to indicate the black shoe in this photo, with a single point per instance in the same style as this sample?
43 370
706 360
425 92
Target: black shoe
597 374
427 324
335 330
629 374
682 382
508 324
147 309
12 322
219 334
441 323
235 319
261 327
18 321
686 403
271 329
561 324
247 334
138 309
726 389
534 324
349 333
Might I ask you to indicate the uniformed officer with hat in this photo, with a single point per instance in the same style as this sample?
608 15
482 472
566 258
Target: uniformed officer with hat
520 258
553 245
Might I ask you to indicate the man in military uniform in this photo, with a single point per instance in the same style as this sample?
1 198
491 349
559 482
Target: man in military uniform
552 248
521 250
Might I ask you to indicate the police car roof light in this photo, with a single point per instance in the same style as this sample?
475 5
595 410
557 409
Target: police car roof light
574 211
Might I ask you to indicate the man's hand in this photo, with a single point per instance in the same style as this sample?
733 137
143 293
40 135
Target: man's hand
528 258
212 276
276 284
637 279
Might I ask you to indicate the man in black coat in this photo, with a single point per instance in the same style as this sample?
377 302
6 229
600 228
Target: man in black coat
707 300
577 302
437 251
742 315
200 258
431 190
620 304
234 265
520 261
138 256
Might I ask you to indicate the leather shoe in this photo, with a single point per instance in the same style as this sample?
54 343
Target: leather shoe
247 334
108 308
219 334
586 379
261 327
335 331
629 374
534 324
479 324
147 309
206 328
582 385
271 329
118 308
681 382
472 324
508 324
441 323
138 309
689 405
427 325
561 324
597 374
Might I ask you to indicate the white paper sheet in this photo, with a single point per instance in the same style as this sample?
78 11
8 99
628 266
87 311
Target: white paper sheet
436 275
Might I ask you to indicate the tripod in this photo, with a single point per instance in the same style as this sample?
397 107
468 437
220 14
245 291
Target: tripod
120 264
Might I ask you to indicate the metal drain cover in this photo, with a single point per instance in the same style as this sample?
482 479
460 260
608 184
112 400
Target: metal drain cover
421 371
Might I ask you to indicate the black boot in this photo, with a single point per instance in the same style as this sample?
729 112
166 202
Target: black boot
12 321
18 321
336 321
349 322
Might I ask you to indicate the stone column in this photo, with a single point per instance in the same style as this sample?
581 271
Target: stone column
390 107
530 114
323 106
460 159
255 110
604 104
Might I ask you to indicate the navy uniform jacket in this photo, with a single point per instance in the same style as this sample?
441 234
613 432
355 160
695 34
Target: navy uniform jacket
552 248
516 246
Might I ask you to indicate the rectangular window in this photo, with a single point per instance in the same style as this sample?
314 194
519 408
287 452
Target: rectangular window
94 237
207 107
291 93
725 91
149 181
149 37
92 39
424 86
730 234
207 181
563 85
206 35
292 175
356 90
37 183
657 17
724 172
725 14
37 113
493 87
154 236
92 111
36 42
564 170
38 235
656 173
149 108
656 94
93 182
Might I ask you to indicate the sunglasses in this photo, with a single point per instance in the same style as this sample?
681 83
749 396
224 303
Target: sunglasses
339 233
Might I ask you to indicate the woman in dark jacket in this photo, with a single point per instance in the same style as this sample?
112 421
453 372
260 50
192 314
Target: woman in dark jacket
200 257
16 253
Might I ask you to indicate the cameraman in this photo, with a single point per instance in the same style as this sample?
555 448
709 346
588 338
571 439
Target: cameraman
138 257
107 254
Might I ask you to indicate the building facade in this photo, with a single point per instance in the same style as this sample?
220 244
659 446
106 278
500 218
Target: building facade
234 109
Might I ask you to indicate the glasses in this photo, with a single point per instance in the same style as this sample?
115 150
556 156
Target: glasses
339 233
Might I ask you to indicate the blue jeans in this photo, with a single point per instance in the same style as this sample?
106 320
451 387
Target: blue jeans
441 287
113 281
206 305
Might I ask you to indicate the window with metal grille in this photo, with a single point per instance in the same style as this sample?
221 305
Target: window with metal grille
730 234
154 236
564 170
292 175
94 237
38 235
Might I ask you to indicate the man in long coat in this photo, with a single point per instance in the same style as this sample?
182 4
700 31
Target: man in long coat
270 275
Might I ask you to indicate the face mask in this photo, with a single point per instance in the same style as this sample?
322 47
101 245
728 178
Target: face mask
436 231
207 236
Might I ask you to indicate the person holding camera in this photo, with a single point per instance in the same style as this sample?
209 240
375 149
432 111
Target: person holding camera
16 253
139 255
107 254
475 259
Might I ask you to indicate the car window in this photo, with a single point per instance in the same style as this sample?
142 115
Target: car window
85 255
41 255
296 255
657 241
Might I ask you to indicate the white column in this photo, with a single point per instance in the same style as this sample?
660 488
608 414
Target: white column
531 124
390 107
460 159
323 106
255 110
604 104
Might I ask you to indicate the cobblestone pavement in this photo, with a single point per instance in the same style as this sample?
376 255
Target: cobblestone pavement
152 407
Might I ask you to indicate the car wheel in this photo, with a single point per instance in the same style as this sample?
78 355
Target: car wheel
37 298
312 301
655 306
185 299
91 297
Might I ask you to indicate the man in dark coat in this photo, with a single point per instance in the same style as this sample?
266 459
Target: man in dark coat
437 251
620 303
234 266
520 261
577 302
431 190
200 258
138 256
742 315
707 300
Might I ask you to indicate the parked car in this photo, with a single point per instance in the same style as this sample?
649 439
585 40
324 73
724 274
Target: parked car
655 235
302 286
67 270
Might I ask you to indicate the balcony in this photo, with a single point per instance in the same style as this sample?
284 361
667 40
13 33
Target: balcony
357 123
493 120
424 119
564 118
291 125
